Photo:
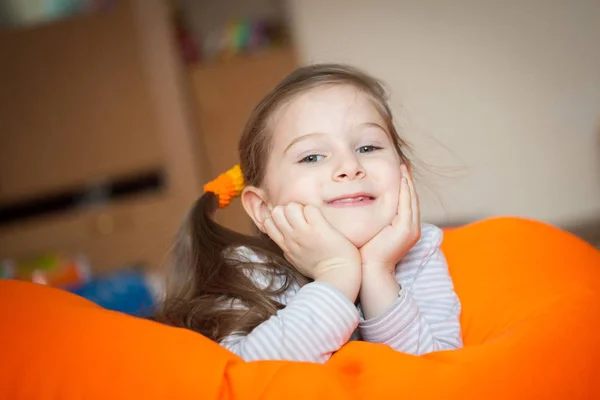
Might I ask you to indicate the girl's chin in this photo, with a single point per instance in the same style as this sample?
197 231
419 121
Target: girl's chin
360 242
359 228
359 237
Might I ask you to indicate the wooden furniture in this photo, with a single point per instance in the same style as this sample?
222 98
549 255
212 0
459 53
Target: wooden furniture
88 100
103 98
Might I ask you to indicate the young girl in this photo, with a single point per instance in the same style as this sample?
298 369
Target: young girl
341 252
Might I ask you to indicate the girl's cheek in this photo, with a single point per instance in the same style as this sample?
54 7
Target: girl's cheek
301 190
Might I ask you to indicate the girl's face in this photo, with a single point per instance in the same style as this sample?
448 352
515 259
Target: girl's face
330 148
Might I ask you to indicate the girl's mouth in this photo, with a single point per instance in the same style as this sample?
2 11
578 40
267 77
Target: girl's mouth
352 200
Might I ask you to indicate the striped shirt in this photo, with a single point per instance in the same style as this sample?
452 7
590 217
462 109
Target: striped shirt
318 320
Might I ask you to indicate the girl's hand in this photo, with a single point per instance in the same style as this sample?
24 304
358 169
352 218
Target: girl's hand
392 243
314 247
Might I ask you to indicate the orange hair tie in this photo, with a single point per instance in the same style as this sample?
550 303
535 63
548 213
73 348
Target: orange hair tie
227 186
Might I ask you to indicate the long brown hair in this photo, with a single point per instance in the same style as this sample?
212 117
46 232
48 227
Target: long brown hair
209 289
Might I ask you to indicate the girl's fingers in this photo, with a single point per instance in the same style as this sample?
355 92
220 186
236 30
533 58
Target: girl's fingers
414 199
405 203
273 232
294 214
281 222
314 217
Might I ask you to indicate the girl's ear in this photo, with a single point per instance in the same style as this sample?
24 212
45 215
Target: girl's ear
256 205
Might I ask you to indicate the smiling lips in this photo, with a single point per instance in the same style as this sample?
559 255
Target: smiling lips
352 200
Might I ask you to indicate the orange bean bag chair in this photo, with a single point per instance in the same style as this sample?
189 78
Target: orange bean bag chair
531 322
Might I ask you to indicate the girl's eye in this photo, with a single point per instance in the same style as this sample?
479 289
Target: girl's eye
368 149
313 158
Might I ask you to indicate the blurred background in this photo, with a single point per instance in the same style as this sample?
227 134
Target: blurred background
114 113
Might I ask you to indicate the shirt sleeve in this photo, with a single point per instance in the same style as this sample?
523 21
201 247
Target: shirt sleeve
316 322
425 317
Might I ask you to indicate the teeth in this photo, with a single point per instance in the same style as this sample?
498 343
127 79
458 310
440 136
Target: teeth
351 200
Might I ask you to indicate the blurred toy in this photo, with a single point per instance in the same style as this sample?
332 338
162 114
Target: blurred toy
243 36
50 269
128 290
131 290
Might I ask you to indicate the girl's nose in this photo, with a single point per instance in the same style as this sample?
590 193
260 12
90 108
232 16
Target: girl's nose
349 169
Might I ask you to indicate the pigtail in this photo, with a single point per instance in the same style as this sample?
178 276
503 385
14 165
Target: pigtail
210 291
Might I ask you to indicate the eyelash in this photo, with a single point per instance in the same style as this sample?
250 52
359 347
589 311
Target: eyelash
369 148
306 160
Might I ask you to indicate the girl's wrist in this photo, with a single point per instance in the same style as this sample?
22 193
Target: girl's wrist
379 290
346 280
378 268
376 275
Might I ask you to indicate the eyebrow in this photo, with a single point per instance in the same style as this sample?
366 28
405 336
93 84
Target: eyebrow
374 125
301 138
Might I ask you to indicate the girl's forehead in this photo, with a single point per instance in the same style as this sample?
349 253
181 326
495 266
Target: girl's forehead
323 109
331 97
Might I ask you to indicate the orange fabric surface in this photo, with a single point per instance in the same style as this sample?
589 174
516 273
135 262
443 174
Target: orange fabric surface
531 326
